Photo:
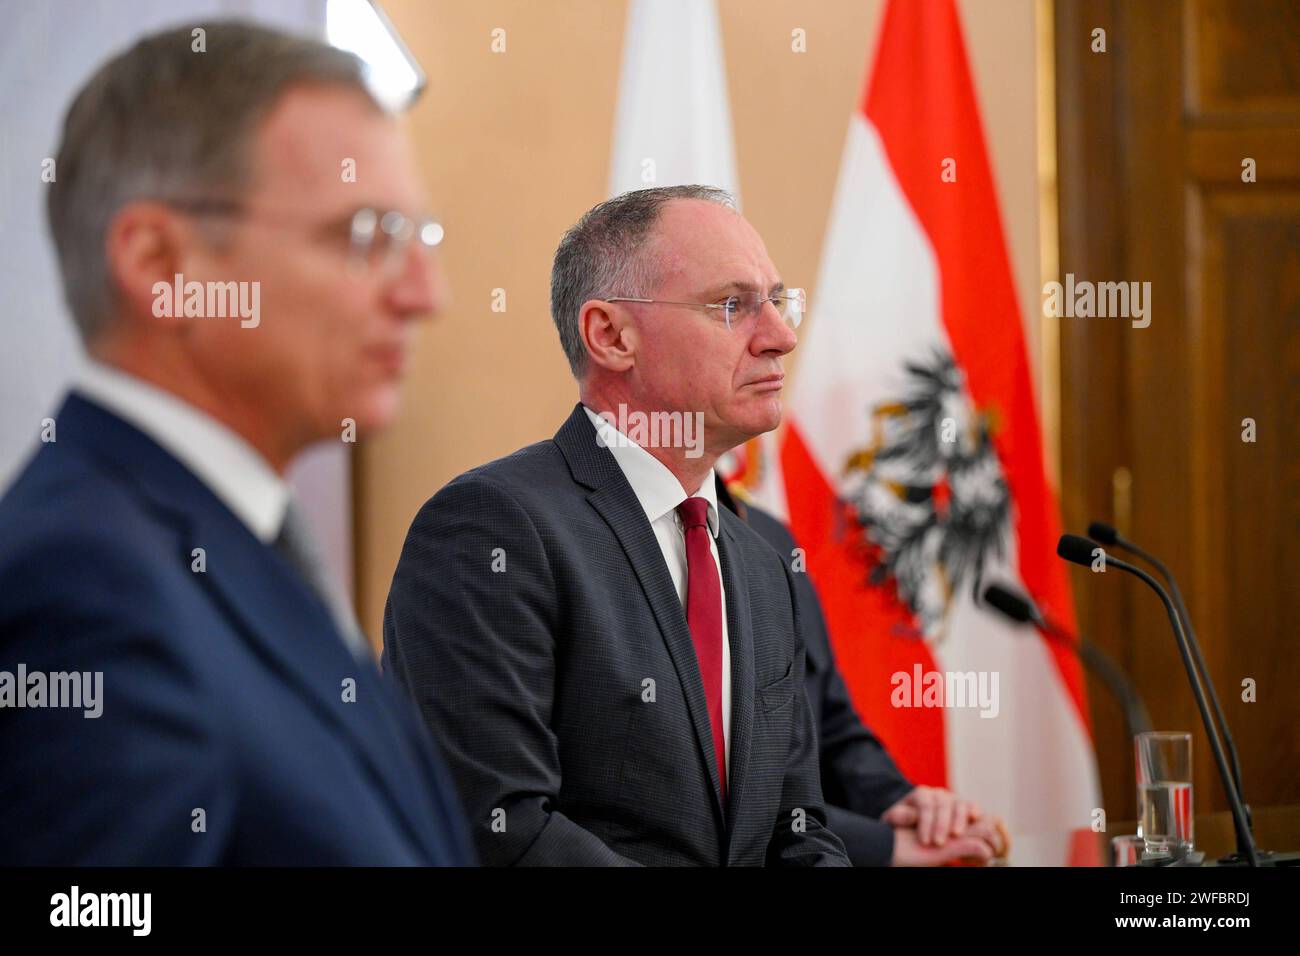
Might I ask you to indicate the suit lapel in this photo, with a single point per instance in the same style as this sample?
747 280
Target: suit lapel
288 626
296 635
616 502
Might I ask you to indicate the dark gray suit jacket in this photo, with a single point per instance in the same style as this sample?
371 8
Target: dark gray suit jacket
859 778
534 621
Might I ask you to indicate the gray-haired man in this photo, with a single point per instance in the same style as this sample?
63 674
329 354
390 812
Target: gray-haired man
611 661
240 297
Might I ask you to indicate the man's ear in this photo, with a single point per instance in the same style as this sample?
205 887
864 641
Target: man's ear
608 334
144 248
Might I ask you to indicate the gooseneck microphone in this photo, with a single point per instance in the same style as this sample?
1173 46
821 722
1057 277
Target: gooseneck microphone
1079 550
1106 535
1022 610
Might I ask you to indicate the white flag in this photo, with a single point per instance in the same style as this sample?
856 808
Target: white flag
673 124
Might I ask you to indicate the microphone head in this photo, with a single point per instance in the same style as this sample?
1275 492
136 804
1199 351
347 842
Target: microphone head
1102 533
1076 549
1013 605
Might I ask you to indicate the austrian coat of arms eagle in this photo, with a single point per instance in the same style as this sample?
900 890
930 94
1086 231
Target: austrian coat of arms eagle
929 493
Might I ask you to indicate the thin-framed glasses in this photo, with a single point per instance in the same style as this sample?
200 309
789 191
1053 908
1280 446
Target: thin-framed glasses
738 309
377 239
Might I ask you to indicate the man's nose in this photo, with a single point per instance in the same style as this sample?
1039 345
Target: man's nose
419 290
773 333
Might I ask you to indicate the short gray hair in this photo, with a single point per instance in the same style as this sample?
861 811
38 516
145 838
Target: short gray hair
605 255
160 121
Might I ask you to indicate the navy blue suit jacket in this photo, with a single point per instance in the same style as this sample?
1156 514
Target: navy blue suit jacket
223 689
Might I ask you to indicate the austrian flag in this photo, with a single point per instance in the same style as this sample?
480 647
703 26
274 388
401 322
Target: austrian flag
913 459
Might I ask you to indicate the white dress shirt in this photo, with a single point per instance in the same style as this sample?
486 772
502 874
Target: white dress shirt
228 465
659 492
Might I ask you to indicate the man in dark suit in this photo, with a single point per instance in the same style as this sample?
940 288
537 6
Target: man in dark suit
882 817
180 680
610 660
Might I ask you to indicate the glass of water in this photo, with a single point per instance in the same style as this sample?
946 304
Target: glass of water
1164 792
1126 850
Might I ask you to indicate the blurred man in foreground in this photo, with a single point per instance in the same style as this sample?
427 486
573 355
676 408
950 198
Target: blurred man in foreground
611 660
239 299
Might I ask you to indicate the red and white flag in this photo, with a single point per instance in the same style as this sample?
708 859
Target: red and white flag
913 458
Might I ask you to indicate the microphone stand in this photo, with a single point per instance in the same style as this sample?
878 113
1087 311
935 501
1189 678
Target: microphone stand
1094 659
1110 536
1078 550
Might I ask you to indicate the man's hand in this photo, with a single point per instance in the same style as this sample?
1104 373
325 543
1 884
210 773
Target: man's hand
934 826
935 813
978 845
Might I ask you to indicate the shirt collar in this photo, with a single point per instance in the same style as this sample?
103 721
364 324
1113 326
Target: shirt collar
230 467
655 486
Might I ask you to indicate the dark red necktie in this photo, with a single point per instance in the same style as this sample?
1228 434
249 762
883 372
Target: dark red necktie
704 616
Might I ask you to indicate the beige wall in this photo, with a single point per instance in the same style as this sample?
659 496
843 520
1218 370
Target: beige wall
516 146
